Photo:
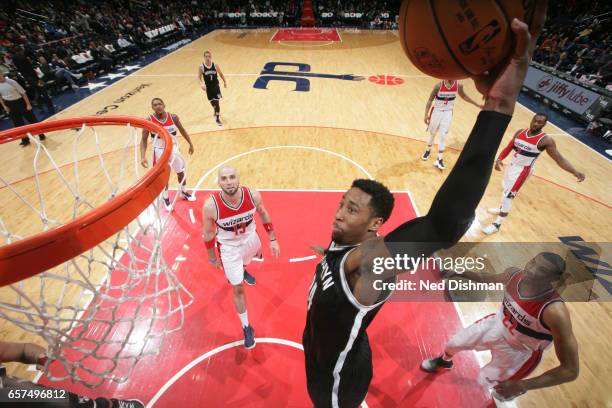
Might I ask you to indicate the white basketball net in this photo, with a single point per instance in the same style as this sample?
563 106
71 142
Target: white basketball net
106 309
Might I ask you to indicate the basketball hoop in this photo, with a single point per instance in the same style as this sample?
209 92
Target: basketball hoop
89 279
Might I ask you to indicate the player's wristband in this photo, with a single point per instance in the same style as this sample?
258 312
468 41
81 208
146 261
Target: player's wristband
210 244
268 227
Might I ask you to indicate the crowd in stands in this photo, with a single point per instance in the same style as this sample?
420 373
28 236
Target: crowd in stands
576 40
57 44
373 14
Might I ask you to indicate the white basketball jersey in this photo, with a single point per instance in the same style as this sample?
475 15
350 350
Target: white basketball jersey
235 223
522 317
526 148
169 125
445 98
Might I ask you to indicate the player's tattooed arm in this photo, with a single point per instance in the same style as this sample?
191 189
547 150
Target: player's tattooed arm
432 95
209 215
181 129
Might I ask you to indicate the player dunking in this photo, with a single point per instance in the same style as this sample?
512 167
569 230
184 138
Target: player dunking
232 212
439 117
208 75
531 317
527 145
343 298
172 124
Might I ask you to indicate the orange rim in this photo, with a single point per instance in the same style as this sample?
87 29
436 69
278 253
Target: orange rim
40 252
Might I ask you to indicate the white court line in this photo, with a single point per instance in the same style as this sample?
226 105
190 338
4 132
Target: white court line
273 35
211 353
189 366
306 258
191 216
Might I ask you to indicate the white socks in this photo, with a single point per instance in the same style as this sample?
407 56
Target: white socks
244 319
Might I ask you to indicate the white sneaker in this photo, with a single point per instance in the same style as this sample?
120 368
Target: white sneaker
494 211
491 229
439 164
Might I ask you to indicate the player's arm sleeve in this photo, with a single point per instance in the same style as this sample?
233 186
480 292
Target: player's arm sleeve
452 209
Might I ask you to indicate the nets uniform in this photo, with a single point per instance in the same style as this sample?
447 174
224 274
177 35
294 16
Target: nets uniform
516 335
336 347
211 80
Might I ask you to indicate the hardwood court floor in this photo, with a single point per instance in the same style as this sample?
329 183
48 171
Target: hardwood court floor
342 129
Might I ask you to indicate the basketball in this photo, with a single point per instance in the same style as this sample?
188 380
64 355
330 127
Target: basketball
459 39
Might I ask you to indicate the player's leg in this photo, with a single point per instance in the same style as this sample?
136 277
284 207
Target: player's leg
157 152
217 107
477 336
231 258
445 121
432 128
252 249
179 166
514 178
355 377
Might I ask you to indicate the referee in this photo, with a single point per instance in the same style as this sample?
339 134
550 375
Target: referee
15 102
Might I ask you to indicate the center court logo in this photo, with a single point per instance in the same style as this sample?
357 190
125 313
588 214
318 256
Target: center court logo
299 77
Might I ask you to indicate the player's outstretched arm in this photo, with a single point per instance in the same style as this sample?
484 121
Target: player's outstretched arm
557 319
143 148
499 163
209 215
181 129
467 98
266 220
452 210
551 148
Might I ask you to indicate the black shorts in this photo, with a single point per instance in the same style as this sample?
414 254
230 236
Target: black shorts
213 93
354 381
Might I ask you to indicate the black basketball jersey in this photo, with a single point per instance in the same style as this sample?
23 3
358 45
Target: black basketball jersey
211 79
336 322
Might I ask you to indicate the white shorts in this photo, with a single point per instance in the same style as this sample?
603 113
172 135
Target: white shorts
235 257
507 361
514 178
440 120
177 163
